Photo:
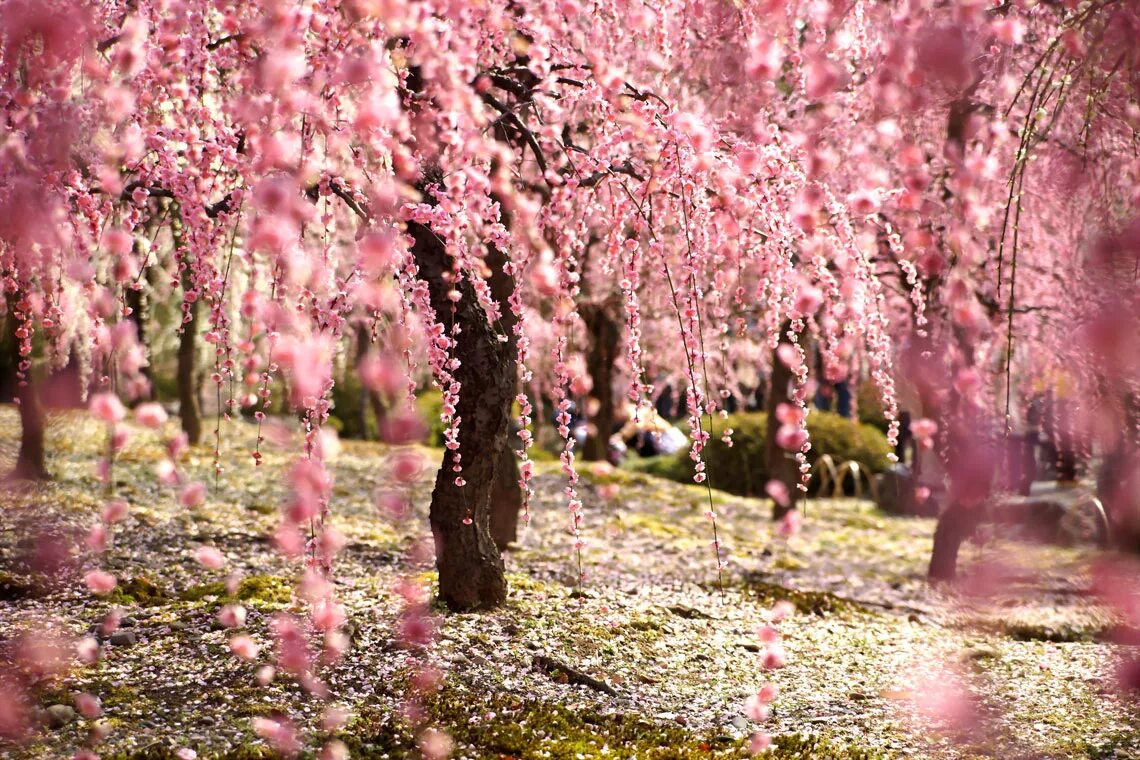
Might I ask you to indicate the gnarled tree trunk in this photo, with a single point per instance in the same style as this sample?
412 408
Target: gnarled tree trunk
469 564
782 464
30 460
605 345
506 499
188 409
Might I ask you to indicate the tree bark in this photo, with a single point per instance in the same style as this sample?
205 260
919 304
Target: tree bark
371 398
188 409
782 465
605 340
30 459
506 500
134 299
955 525
469 563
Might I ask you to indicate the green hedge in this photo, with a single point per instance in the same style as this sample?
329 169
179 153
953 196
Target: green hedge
742 469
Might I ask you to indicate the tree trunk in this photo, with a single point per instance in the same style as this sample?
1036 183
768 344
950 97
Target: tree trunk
371 398
188 409
30 459
955 525
605 339
782 464
506 500
134 299
469 564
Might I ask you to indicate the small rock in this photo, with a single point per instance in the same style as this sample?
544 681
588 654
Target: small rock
127 622
740 723
123 639
59 716
750 646
680 720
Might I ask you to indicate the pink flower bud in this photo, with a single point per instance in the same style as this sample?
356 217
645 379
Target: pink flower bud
150 415
209 557
107 408
244 647
101 583
193 495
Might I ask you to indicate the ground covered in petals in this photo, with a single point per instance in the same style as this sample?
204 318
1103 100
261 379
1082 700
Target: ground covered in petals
878 665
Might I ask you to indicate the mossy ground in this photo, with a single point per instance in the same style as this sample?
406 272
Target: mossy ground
652 620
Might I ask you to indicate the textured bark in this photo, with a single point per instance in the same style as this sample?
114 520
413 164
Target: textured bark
371 399
506 500
469 563
134 299
30 461
955 525
782 465
605 346
188 408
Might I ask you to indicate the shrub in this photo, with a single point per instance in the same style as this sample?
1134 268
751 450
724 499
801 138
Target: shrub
742 469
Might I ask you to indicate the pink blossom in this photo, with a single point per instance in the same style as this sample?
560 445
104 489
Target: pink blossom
768 693
280 733
777 490
790 524
114 511
759 742
192 495
791 437
88 705
107 408
244 647
150 415
96 539
767 634
773 657
232 616
781 610
435 744
167 473
210 557
87 650
755 709
101 583
923 430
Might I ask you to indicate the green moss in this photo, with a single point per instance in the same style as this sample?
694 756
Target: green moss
268 589
139 590
813 602
529 729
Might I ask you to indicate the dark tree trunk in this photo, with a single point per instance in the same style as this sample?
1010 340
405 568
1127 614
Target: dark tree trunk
782 464
188 408
955 525
30 459
134 299
469 563
506 500
371 398
605 345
